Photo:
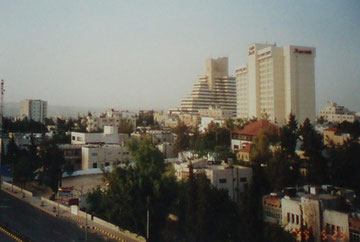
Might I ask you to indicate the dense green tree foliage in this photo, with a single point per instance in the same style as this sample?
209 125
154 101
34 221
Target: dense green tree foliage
52 162
23 126
182 141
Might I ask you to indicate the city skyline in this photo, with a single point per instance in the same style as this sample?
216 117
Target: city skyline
143 56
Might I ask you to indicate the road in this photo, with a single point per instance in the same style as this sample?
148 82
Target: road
37 225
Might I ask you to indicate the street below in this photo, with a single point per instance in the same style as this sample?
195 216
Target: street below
37 225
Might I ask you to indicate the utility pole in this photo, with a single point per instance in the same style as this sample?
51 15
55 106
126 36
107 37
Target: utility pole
147 223
1 121
2 103
86 225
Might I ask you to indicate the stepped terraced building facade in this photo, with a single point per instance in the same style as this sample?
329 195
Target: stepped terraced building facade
216 88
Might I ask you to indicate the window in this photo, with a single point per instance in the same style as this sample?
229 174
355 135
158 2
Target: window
288 217
243 179
93 154
73 138
94 165
107 163
222 180
292 218
297 219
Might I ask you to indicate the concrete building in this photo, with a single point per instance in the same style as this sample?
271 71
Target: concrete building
241 140
109 136
337 114
97 156
320 210
33 109
111 118
97 149
215 88
166 120
277 81
72 154
234 179
333 135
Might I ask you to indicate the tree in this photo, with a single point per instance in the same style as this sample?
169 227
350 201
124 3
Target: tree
313 147
344 164
182 141
289 136
52 161
260 152
134 189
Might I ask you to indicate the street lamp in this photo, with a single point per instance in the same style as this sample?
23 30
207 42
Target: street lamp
58 202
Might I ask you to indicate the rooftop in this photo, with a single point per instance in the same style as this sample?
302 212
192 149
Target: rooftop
254 128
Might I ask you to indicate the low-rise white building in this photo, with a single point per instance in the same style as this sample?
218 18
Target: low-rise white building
111 118
234 179
97 156
314 209
109 136
205 121
337 114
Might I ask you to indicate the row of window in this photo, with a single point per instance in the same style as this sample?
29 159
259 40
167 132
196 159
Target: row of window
292 218
331 229
272 212
124 153
354 236
242 179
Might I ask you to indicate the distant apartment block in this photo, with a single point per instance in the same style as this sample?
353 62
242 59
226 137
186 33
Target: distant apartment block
216 87
277 81
33 109
337 114
111 118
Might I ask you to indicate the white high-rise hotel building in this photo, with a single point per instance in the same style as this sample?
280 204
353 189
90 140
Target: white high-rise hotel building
277 81
216 88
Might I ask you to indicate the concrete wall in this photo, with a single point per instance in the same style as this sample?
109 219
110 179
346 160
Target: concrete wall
292 207
16 188
339 220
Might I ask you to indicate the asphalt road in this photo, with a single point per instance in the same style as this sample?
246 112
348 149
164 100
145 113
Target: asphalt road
37 225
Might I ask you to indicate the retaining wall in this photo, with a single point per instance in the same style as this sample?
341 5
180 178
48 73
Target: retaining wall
16 188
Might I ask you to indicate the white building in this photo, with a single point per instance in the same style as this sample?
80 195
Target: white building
234 179
97 156
33 109
109 136
315 209
215 88
111 118
277 81
337 114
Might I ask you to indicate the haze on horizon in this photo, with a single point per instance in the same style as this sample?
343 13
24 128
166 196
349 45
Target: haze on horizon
144 55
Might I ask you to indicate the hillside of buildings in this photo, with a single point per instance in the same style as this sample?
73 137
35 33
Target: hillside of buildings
210 173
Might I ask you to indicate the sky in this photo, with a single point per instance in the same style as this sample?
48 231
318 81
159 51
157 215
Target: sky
148 54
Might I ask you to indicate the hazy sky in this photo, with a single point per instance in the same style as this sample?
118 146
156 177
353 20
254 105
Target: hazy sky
147 54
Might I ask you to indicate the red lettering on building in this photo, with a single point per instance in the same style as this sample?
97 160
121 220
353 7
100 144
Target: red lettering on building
309 52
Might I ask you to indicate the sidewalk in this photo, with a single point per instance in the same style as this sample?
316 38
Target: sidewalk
57 211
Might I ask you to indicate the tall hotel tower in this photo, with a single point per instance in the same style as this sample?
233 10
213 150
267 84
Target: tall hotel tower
216 88
277 81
